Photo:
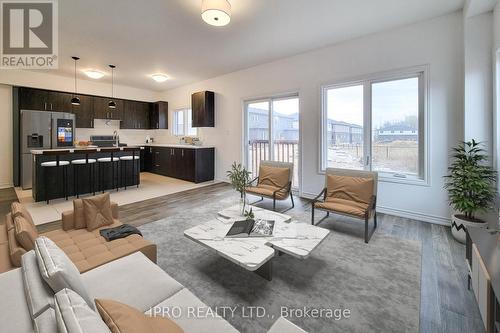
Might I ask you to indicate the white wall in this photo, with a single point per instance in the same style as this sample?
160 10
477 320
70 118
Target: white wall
478 79
438 43
6 136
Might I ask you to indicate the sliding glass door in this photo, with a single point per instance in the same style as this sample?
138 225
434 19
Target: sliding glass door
272 132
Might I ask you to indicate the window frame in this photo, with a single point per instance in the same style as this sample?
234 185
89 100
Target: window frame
422 72
185 126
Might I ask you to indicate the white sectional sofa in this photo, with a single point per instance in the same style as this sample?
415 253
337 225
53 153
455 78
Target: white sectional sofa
134 280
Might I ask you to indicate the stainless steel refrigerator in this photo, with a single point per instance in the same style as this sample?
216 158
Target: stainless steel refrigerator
43 130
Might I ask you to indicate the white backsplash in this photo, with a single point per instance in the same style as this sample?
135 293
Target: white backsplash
129 136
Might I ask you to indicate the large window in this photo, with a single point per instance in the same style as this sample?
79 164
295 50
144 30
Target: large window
182 125
376 124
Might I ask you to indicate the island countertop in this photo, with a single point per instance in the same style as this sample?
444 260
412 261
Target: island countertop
72 149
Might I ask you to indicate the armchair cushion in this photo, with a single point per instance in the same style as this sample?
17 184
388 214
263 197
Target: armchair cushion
97 211
343 206
358 189
273 176
267 191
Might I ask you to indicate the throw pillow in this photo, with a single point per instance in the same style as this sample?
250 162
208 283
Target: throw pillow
79 214
97 211
25 232
73 314
122 318
58 270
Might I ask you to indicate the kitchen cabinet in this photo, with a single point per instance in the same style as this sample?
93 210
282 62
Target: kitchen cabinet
32 99
203 109
59 101
190 164
158 117
103 111
135 115
84 113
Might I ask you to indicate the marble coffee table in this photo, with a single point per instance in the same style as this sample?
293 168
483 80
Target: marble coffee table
256 253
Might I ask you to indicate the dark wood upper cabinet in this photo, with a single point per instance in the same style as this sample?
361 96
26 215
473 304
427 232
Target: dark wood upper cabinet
103 111
158 117
203 109
59 101
44 100
84 113
135 115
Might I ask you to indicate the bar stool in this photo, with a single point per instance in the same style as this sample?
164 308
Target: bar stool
88 162
114 161
57 165
123 165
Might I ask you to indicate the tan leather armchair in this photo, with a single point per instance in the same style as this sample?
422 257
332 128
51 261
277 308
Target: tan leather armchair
349 192
274 182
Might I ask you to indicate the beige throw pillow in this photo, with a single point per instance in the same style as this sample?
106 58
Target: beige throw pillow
25 232
97 211
122 318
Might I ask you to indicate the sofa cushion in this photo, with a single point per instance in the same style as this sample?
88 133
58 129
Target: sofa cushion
284 325
14 312
74 315
274 176
26 232
185 300
46 322
15 249
97 211
39 296
78 214
58 270
17 209
358 189
88 249
122 318
145 283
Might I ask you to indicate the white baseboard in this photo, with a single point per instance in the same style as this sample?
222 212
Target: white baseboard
401 213
6 185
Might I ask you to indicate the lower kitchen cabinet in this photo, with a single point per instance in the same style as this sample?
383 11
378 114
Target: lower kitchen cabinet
190 164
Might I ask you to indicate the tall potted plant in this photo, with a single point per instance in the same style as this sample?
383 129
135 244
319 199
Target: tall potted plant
471 187
239 178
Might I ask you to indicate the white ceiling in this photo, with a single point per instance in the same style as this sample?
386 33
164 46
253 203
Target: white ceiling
144 37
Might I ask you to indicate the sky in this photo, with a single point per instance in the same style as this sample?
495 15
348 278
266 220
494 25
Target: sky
391 101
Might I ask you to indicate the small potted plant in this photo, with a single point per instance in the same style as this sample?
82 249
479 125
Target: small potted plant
471 187
239 178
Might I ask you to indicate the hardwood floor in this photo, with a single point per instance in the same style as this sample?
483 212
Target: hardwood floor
446 304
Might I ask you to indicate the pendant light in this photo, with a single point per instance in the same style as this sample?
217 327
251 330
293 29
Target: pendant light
75 100
112 104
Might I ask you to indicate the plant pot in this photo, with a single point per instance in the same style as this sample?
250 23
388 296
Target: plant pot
459 224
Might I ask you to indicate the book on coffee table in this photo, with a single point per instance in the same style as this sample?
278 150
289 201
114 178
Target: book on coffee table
251 228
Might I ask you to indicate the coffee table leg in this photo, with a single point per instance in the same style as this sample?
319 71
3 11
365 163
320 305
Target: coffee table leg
266 270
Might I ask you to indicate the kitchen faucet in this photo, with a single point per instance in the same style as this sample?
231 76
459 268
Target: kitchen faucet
116 137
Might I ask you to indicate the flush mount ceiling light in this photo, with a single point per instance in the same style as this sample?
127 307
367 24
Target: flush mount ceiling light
75 100
93 74
159 77
111 103
216 12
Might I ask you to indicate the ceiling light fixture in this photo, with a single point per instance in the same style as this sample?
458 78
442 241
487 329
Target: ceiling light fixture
159 77
216 12
93 74
75 100
111 103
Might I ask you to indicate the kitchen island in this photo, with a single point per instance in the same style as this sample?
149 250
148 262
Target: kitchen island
50 181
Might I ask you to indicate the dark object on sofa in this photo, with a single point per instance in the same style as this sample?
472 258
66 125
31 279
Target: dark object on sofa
121 231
